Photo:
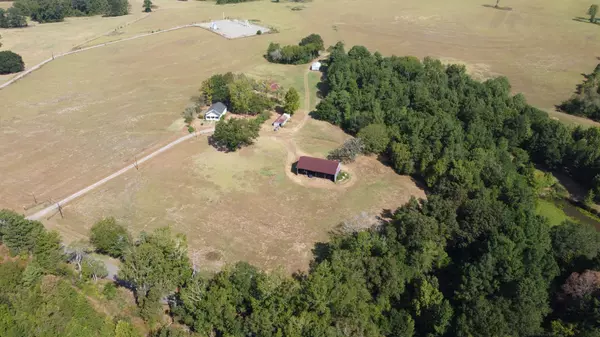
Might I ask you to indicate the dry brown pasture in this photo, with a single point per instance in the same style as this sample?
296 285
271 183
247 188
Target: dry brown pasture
239 206
38 42
86 115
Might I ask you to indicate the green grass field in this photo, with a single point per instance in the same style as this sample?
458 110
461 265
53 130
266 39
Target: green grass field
550 210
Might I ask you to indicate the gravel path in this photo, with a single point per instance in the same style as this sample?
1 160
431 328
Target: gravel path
75 195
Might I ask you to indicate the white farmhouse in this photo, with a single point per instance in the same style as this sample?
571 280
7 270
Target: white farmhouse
215 112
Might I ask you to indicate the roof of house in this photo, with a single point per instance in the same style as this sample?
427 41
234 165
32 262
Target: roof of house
282 118
316 63
219 108
318 165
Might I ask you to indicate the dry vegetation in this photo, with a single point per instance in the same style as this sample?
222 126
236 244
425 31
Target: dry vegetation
84 116
237 206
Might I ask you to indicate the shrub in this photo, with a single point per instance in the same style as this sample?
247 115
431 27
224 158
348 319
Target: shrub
259 32
191 129
348 152
10 62
109 291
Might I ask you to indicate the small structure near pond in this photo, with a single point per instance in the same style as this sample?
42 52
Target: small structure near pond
317 167
215 112
279 122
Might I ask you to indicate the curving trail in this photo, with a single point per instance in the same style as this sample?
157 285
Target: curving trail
38 215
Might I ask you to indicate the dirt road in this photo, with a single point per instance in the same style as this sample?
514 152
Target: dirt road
63 202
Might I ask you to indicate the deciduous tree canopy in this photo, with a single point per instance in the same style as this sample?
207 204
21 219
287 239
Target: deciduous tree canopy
308 48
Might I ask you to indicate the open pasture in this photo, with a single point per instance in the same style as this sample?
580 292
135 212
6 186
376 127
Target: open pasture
537 44
87 115
238 206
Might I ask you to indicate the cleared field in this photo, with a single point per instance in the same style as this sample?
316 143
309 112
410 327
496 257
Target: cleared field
237 206
38 42
87 115
537 45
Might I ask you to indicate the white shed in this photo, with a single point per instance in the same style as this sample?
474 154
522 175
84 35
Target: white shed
316 66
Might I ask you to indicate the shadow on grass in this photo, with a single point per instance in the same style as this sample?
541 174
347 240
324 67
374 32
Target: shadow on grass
293 168
586 20
500 8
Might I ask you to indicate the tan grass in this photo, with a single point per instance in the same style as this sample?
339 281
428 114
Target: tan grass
236 206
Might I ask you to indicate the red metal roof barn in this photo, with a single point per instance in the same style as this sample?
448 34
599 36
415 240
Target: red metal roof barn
323 168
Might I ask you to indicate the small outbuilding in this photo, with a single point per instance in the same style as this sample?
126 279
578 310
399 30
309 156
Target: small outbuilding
317 167
279 122
316 66
215 112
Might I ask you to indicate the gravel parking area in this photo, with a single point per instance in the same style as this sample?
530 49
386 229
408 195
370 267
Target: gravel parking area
233 29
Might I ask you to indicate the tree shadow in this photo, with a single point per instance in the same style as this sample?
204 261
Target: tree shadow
498 7
322 89
219 147
321 252
585 20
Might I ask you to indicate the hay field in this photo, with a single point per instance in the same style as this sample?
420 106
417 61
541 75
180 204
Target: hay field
238 206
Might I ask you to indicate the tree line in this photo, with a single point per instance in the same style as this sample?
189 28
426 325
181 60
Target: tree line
586 101
56 10
308 48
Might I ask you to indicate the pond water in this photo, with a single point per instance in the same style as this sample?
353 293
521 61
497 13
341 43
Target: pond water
575 213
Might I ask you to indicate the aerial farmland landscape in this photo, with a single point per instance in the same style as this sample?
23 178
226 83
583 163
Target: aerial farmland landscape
299 168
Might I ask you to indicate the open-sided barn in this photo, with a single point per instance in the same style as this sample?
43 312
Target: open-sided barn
317 167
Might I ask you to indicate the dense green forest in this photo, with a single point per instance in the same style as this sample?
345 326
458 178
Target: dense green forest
474 259
586 101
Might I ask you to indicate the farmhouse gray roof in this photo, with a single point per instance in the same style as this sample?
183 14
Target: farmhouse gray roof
318 165
218 108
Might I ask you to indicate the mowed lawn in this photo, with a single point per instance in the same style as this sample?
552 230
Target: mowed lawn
237 206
